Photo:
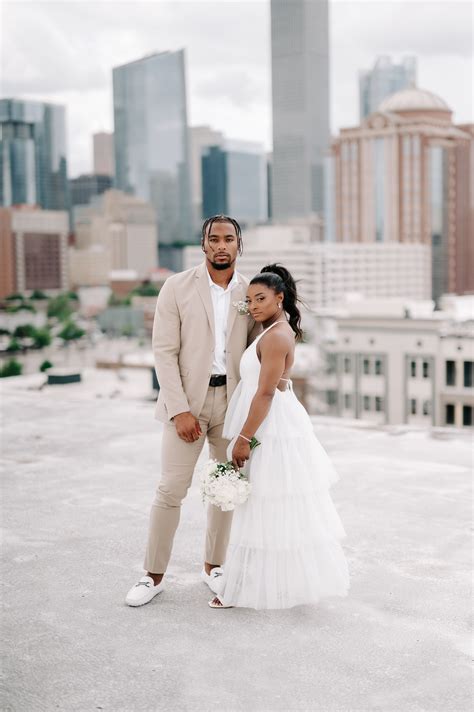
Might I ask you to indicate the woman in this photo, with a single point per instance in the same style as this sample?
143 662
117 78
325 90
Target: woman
284 548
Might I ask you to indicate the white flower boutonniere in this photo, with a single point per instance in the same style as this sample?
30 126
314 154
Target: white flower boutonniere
242 308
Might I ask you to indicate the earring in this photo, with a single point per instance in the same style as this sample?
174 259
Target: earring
279 305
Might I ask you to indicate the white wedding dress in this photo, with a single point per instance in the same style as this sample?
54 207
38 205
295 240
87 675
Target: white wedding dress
284 546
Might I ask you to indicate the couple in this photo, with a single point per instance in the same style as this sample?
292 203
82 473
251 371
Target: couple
226 376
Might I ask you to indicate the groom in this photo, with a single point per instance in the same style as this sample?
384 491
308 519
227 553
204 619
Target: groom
198 340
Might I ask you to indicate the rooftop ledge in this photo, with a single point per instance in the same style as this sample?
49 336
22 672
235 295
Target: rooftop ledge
81 465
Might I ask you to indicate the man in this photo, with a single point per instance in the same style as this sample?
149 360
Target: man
198 340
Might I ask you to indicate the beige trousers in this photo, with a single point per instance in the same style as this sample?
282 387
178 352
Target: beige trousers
177 466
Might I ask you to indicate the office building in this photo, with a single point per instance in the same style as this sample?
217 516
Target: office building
327 272
383 80
152 145
33 164
201 138
406 175
119 231
234 181
34 245
398 363
300 105
85 187
103 152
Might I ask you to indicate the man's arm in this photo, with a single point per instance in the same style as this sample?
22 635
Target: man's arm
166 343
254 329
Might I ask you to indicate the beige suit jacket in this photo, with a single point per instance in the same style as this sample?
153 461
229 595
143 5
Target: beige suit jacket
183 341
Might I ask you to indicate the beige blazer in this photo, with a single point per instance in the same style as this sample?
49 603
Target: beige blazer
183 341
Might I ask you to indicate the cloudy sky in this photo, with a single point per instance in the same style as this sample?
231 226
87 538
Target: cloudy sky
63 51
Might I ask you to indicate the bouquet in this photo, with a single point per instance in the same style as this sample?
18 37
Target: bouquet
223 485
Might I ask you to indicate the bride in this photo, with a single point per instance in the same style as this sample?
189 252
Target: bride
285 542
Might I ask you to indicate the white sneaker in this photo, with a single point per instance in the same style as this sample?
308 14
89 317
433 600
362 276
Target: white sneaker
213 579
143 592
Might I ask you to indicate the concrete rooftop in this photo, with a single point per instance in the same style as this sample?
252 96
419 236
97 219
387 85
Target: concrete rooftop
81 464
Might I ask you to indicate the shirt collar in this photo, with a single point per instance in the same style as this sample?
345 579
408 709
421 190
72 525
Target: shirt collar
233 282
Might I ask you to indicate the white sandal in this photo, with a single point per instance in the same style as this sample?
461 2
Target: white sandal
213 604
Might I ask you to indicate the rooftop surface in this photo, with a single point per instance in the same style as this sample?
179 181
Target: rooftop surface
81 465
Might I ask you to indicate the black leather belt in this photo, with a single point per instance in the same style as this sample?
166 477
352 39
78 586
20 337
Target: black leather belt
219 380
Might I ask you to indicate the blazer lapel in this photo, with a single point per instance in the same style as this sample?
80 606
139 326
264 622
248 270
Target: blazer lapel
236 295
204 291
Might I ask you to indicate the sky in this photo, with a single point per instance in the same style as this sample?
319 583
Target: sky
64 51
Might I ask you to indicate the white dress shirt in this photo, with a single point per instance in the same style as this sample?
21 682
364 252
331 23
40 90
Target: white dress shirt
221 299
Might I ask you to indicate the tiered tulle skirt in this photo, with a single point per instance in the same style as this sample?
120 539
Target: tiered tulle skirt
285 542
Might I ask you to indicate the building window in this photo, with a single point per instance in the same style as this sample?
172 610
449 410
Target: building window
467 415
332 363
449 414
468 367
450 373
347 400
366 402
426 369
347 365
331 397
378 404
413 406
426 407
366 366
413 369
378 367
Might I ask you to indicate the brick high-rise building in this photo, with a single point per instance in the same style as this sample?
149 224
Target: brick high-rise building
34 245
406 175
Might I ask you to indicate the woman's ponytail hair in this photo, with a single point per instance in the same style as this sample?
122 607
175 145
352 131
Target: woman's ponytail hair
278 278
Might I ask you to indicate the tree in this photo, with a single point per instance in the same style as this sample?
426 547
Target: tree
25 331
11 368
146 289
73 296
15 297
13 346
71 332
42 338
45 365
60 307
38 294
5 332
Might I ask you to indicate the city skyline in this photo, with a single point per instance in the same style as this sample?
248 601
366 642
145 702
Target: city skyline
228 59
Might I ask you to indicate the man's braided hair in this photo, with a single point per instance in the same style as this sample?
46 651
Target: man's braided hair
207 226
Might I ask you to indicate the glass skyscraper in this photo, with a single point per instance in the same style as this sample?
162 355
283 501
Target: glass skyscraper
300 102
151 143
33 164
234 181
383 80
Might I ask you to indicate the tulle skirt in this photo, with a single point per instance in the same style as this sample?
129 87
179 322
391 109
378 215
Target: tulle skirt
285 546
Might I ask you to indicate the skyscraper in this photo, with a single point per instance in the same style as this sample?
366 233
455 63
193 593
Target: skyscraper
383 80
201 138
300 101
151 142
33 165
103 147
234 181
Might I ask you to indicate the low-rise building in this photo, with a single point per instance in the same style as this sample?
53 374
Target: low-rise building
391 368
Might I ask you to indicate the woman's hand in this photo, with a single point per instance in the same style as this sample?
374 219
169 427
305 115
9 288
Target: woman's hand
240 453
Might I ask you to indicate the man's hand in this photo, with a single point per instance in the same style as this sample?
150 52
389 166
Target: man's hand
187 427
240 453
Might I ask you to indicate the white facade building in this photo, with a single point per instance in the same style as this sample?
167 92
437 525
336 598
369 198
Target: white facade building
326 272
398 368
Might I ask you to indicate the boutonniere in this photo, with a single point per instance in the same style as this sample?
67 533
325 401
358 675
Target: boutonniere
242 308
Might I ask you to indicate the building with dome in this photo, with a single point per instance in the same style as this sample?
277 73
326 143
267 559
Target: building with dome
406 174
